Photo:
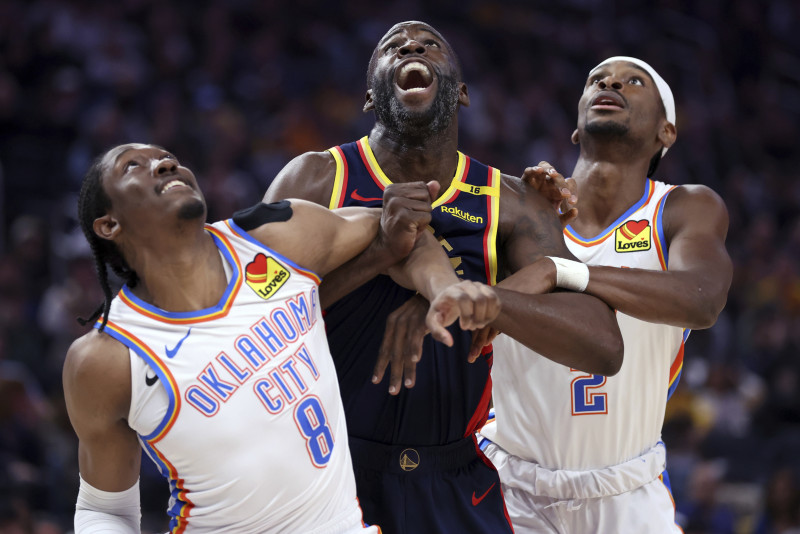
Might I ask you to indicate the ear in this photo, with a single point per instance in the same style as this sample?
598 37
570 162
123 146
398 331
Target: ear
106 227
463 95
368 103
574 137
667 134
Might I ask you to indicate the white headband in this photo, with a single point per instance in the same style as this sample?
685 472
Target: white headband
661 85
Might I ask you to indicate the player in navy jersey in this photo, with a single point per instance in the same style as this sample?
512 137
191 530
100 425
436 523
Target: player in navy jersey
213 356
418 468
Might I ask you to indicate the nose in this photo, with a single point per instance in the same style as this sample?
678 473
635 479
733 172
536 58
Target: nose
411 46
164 166
610 81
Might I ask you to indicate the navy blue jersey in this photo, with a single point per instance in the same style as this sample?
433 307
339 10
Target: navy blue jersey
451 397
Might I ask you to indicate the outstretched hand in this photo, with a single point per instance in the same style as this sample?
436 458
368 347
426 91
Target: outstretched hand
406 213
562 193
474 304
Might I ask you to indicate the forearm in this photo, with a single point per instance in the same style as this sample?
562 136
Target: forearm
353 274
572 329
678 298
427 269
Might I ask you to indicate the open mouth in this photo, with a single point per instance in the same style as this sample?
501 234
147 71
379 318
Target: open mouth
172 184
414 77
608 99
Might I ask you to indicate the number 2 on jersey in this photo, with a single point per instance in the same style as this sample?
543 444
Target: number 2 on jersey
585 399
309 415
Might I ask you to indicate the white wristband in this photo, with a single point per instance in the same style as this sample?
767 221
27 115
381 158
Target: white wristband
100 511
572 275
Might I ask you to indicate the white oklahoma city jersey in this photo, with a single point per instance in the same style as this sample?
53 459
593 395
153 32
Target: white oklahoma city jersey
238 405
563 418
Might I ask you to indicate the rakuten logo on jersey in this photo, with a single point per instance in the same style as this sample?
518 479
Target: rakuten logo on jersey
633 236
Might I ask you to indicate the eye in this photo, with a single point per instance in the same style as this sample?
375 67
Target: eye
390 47
130 165
636 81
432 43
594 80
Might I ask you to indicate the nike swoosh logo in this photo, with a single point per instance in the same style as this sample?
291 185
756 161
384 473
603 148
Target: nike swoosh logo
150 380
355 196
172 352
477 500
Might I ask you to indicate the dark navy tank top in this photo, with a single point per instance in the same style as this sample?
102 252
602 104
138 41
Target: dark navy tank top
451 397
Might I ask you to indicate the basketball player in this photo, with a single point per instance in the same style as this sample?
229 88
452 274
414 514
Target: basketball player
579 452
213 356
418 468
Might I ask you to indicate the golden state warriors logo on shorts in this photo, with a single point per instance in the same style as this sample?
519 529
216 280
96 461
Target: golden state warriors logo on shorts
633 236
265 275
409 460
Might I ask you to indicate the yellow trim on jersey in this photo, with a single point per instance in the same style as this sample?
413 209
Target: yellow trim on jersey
458 179
373 163
338 190
449 193
491 191
494 218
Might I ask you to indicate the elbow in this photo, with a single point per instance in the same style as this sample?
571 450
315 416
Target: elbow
705 313
611 358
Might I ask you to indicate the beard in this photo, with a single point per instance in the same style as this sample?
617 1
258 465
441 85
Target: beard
194 209
607 129
417 125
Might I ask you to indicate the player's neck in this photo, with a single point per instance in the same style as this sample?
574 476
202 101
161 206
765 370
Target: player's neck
607 188
404 160
188 276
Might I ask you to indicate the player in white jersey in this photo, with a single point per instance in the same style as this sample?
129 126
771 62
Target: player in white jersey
213 356
582 453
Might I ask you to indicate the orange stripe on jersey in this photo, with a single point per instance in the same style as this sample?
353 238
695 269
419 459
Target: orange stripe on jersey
300 270
340 180
657 230
676 367
215 312
575 238
152 358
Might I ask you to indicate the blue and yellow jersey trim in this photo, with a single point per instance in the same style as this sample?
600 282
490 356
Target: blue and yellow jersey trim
240 232
574 236
208 314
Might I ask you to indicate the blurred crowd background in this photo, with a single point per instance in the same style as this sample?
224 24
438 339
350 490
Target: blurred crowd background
236 88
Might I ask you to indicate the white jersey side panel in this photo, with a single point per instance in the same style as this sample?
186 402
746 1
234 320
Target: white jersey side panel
567 419
247 423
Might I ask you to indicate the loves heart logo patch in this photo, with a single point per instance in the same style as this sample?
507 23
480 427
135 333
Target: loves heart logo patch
633 236
265 275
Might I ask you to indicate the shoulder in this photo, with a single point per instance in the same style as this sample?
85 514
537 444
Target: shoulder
97 373
309 176
518 198
694 206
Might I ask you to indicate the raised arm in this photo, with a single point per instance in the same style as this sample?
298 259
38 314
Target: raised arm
693 290
310 177
574 329
97 390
